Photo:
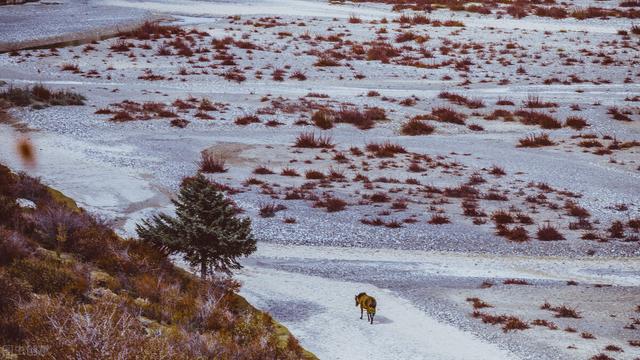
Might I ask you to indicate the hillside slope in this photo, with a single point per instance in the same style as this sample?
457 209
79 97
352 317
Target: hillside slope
71 288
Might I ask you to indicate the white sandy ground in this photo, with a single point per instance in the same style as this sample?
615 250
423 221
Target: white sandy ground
590 270
400 331
328 324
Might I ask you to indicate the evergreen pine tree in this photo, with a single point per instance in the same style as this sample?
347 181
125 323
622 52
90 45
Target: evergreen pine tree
205 230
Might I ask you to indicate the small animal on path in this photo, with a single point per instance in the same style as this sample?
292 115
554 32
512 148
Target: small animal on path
368 303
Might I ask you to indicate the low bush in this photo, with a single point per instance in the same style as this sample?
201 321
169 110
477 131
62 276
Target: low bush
461 100
332 204
386 149
49 276
310 140
262 170
438 220
39 95
322 119
576 122
269 210
416 127
210 163
448 115
289 172
534 140
246 120
548 232
314 175
565 312
515 234
379 197
543 120
502 217
477 303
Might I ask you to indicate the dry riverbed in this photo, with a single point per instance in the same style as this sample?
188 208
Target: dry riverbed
374 150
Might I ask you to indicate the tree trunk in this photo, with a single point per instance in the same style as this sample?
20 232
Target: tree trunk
203 269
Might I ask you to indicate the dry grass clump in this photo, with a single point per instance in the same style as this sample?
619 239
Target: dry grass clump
386 149
461 100
545 121
270 210
379 197
616 230
573 209
545 323
354 20
210 163
601 357
477 303
363 120
576 122
326 61
39 96
289 172
618 114
153 30
462 191
534 102
497 170
515 282
448 115
262 170
508 323
314 175
562 311
515 234
322 119
332 204
382 51
548 232
535 141
613 348
416 127
502 217
246 120
310 140
438 220
406 36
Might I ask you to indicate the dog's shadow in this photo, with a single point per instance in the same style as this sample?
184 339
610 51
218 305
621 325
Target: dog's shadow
381 320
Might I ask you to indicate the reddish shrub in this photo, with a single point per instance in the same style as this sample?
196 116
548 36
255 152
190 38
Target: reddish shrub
515 282
246 120
211 164
548 233
314 175
575 122
332 204
415 127
379 197
386 149
289 172
438 220
533 140
269 210
310 140
448 115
